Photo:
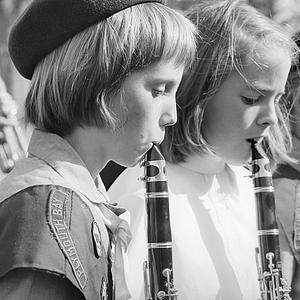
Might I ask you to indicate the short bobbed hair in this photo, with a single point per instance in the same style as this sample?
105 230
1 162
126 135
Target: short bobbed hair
230 35
72 85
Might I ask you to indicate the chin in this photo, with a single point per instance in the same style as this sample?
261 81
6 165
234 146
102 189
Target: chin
237 163
132 164
242 157
133 161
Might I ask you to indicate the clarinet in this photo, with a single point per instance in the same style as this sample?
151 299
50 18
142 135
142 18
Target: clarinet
158 269
272 285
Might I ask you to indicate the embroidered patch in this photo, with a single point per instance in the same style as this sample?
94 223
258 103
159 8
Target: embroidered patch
96 240
58 225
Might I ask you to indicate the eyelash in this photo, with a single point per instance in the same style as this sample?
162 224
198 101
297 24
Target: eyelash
157 93
250 101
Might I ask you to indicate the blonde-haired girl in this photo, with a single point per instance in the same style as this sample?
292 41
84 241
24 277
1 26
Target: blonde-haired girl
231 96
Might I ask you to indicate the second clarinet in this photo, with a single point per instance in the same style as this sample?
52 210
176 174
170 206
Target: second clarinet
272 285
158 269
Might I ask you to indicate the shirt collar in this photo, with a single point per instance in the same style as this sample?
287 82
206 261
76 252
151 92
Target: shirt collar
63 158
231 178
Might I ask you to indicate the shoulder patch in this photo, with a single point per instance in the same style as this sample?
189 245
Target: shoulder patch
57 222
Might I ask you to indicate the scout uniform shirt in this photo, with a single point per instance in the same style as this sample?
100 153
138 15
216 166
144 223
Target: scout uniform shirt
54 219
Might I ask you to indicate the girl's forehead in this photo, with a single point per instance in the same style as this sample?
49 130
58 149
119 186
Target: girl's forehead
265 55
270 60
266 74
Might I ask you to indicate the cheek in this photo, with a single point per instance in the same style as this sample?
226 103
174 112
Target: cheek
226 125
142 115
238 117
248 117
217 121
139 123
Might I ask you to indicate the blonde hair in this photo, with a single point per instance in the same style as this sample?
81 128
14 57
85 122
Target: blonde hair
230 33
71 86
292 96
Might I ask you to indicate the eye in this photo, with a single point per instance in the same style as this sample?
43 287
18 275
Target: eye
250 101
159 91
156 93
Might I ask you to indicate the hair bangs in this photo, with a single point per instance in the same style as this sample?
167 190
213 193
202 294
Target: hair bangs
175 41
162 35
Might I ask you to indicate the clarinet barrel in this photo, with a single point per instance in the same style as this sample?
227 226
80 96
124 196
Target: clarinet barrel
272 285
158 270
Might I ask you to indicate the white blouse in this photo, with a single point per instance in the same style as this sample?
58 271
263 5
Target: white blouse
213 221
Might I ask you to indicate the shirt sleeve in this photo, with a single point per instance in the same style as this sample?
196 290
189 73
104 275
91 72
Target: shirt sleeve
36 285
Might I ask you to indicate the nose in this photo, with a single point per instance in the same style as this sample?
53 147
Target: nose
268 115
169 116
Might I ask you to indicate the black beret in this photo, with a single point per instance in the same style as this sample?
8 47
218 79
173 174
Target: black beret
47 24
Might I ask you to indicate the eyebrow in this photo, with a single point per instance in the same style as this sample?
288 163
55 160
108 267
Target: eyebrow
263 89
159 80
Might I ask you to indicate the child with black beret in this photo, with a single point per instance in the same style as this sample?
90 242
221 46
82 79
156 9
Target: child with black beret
104 75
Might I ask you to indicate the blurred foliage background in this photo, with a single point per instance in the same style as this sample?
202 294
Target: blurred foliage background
286 12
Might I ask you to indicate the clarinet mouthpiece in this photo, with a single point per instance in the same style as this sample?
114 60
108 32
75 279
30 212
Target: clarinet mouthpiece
154 154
